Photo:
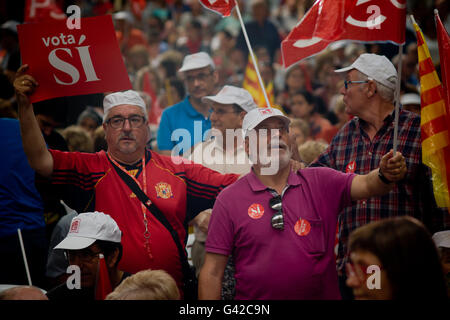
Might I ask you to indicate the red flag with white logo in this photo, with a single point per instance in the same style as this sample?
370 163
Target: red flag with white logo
103 284
43 10
329 20
68 62
222 7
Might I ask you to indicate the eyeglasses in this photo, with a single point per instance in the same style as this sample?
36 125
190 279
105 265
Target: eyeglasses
200 77
136 121
220 112
82 255
347 82
277 219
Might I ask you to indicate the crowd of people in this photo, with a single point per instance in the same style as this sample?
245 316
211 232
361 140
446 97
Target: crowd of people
293 201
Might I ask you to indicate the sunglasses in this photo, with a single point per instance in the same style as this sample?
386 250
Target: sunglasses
277 219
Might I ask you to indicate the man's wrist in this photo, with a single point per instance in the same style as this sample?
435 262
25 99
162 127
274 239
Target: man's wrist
383 178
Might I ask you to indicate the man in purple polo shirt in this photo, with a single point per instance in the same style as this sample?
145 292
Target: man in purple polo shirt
281 230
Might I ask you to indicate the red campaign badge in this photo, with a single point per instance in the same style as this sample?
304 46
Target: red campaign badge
351 167
302 227
69 62
256 211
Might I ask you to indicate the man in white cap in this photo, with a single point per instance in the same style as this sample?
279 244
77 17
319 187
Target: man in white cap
358 147
411 102
223 152
280 225
103 181
186 123
91 235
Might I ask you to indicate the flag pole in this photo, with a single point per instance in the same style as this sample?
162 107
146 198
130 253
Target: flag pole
397 95
261 83
24 257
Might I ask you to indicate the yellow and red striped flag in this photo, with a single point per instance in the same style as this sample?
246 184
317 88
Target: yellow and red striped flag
251 84
434 129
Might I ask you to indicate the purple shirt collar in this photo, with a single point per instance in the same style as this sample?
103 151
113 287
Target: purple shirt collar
256 185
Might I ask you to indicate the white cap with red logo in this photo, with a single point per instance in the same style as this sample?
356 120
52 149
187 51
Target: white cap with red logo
258 115
88 227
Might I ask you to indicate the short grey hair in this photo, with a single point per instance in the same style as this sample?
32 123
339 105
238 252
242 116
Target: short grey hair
385 93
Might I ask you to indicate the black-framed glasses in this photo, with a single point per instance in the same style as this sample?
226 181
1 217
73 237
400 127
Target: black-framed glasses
347 82
220 112
200 77
85 255
118 122
278 218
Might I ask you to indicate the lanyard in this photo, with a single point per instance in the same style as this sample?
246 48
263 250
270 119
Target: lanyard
143 207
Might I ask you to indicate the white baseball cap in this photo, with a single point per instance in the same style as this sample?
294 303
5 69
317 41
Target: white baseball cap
442 239
88 227
197 61
124 15
376 67
410 98
10 25
130 97
232 94
258 115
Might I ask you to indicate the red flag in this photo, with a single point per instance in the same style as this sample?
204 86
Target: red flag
330 20
68 62
43 10
137 6
103 284
444 56
222 7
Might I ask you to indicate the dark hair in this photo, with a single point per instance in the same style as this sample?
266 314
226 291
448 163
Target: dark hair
309 97
408 255
108 248
179 86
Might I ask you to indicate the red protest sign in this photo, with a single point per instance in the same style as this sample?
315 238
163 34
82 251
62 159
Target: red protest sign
68 62
42 10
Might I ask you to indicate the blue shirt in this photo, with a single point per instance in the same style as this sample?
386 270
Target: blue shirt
20 203
181 127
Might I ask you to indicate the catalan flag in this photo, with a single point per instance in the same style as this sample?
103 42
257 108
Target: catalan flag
251 84
434 129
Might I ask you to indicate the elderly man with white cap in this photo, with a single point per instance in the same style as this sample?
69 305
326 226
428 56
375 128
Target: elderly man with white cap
358 147
92 236
279 224
128 182
223 152
186 123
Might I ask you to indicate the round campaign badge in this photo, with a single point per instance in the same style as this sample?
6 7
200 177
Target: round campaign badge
351 167
302 227
255 211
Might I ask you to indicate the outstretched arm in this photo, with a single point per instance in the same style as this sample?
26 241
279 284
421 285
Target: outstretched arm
39 157
392 168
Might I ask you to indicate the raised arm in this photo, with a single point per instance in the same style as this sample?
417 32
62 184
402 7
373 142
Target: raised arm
393 169
39 157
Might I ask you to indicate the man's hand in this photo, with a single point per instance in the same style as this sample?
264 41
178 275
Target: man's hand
24 85
393 168
296 165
